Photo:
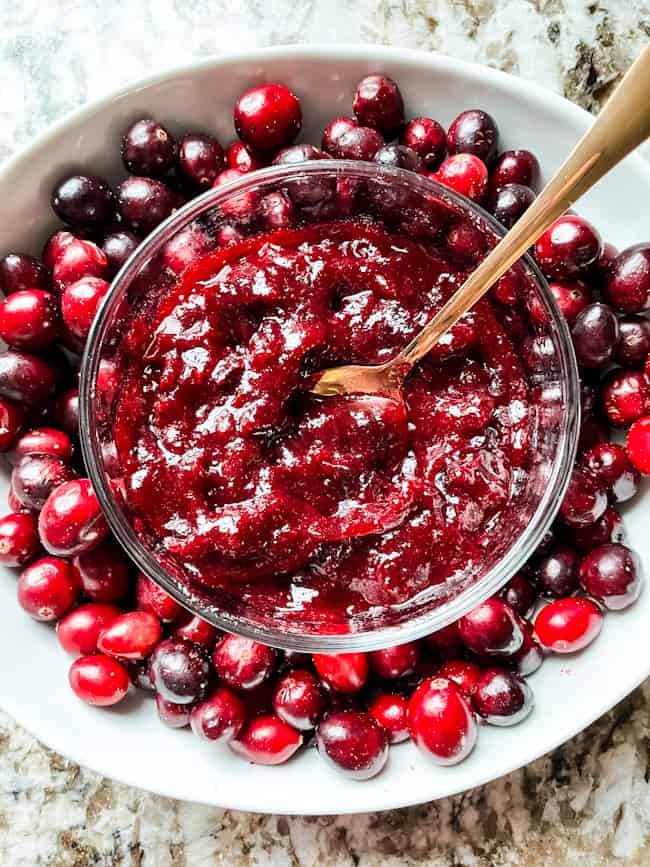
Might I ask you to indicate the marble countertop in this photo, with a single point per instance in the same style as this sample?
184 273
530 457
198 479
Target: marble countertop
586 804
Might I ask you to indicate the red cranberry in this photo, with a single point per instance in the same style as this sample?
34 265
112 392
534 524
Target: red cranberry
54 246
78 259
186 247
465 242
180 671
131 636
12 418
638 444
358 143
200 159
509 202
148 149
353 743
557 573
634 340
441 721
79 630
103 573
567 625
144 203
428 139
85 201
610 573
241 207
266 740
243 663
502 698
396 661
268 117
473 132
608 528
297 699
446 641
625 396
584 501
603 267
346 672
29 319
117 247
150 597
490 628
197 630
628 285
43 441
99 680
389 710
571 245
529 657
515 167
20 273
220 717
464 173
613 469
19 542
71 521
240 157
520 594
399 157
461 672
334 130
595 335
276 210
66 411
36 476
175 716
47 589
378 103
571 298
25 378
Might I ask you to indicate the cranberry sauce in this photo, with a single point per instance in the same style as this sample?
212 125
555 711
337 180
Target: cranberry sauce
319 509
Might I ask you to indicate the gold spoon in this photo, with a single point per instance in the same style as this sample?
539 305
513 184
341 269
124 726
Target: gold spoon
622 125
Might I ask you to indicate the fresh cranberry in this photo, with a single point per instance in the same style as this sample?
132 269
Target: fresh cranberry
567 625
608 528
446 641
79 630
346 672
144 203
613 469
628 284
117 247
358 143
378 103
502 698
186 247
130 636
268 117
99 680
35 477
556 573
297 699
638 444
20 273
78 259
43 441
529 657
625 396
610 573
173 715
240 157
243 663
47 589
299 153
461 672
148 149
180 671
79 303
25 378
570 246
464 173
601 269
29 319
490 628
396 661
334 130
571 298
428 139
473 132
389 710
276 210
197 630
200 159
595 335
152 598
71 521
66 412
220 717
515 167
19 542
509 202
12 419
266 740
584 501
634 341
520 594
84 201
353 743
242 207
441 722
103 573
53 247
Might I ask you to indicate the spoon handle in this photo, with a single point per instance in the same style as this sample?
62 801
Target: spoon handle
622 125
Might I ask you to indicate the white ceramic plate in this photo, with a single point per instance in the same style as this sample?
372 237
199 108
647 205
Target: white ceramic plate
128 743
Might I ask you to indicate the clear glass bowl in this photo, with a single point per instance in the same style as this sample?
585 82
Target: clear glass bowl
409 204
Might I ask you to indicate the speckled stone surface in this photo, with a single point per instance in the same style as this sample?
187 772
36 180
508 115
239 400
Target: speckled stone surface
588 803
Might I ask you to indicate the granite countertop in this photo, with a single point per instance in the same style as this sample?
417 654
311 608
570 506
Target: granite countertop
586 804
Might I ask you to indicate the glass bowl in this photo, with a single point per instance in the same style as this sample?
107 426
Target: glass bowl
408 204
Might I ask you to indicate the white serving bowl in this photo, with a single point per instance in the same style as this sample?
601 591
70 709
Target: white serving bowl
128 743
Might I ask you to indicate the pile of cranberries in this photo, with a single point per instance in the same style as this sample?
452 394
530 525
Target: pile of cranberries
264 704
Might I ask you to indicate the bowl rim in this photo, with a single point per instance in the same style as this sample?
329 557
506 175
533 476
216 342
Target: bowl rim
422 623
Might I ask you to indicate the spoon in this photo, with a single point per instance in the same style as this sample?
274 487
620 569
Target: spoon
622 125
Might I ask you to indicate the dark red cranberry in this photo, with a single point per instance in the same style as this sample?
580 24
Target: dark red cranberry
66 412
173 715
240 157
83 201
220 717
276 210
509 202
144 203
268 117
299 153
634 341
567 625
243 663
556 574
358 143
310 191
294 659
613 469
20 273
446 641
520 594
638 444
502 698
25 378
47 589
473 132
608 528
79 630
585 500
197 630
12 419
529 657
297 699
79 303
599 273
572 298
346 672
35 477
464 173
141 676
595 335
465 242
180 671
266 740
117 247
131 636
78 259
625 396
14 503
389 710
102 573
461 672
441 721
515 167
490 628
99 680
19 542
148 149
200 159
428 139
334 130
150 597
593 431
29 319
628 284
611 574
71 521
378 103
570 246
399 157
353 743
396 661
186 247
